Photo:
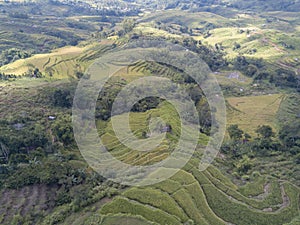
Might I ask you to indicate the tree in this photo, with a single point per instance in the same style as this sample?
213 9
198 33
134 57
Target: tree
63 130
290 134
244 165
128 25
265 131
247 137
235 133
62 98
297 160
236 46
251 70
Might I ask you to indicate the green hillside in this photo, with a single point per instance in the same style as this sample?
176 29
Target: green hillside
252 49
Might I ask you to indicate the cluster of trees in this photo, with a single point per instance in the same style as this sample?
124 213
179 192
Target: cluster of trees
4 76
260 70
243 148
13 54
290 138
214 57
175 4
113 87
285 78
63 130
22 140
75 181
33 72
62 98
242 143
250 67
127 27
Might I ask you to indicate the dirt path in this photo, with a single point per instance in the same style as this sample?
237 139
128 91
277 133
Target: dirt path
277 48
263 196
286 200
267 41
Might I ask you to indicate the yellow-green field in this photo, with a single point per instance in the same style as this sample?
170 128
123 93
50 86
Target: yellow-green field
250 112
192 20
206 198
60 63
147 29
257 39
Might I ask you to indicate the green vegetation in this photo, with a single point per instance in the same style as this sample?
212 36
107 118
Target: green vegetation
251 47
220 199
120 205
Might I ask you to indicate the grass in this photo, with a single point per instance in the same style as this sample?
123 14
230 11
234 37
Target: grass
183 178
239 80
59 64
139 125
208 199
255 188
169 186
147 29
251 111
122 205
197 194
55 60
239 213
217 174
289 109
273 199
204 197
186 202
124 219
156 199
189 19
257 39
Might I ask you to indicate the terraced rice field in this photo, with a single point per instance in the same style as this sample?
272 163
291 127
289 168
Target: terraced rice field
251 111
61 63
139 125
207 198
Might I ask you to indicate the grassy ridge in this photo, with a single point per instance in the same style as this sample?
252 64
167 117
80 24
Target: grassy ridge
121 205
59 64
156 199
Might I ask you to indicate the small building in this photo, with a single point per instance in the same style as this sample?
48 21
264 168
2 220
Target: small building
166 129
234 75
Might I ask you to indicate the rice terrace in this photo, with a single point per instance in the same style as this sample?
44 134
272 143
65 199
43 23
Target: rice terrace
48 49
